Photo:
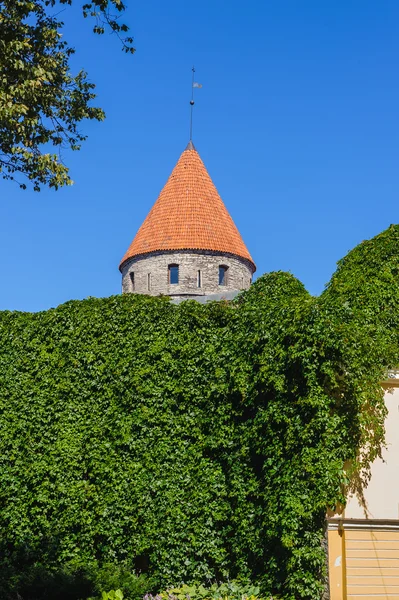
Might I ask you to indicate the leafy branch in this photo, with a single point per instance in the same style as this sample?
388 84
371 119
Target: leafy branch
41 103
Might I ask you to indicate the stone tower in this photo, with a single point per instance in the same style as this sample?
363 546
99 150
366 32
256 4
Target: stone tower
188 246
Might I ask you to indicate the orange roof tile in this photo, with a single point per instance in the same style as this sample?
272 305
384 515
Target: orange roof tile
189 214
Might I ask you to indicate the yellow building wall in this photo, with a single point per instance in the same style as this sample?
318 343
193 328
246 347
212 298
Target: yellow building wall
381 496
336 559
363 541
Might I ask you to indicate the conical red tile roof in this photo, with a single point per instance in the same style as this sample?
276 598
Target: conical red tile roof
189 214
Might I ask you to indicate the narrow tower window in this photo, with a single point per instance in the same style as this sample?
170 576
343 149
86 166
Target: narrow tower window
132 279
223 274
149 282
199 283
173 274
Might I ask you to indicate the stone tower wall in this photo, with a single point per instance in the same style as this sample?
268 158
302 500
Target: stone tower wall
151 274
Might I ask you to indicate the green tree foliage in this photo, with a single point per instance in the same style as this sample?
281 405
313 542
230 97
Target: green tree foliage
41 103
192 442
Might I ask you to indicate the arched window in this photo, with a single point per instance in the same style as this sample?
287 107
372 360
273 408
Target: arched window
173 274
132 279
223 274
199 282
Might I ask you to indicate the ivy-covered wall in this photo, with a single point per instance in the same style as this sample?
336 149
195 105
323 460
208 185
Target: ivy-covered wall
196 442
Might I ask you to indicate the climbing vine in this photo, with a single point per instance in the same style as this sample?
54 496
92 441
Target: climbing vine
195 443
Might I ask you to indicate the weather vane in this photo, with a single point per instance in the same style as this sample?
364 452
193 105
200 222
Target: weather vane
194 84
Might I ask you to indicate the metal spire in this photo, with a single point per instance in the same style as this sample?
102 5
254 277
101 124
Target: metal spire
192 105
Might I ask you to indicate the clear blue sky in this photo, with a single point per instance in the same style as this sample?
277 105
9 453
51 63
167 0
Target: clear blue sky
297 123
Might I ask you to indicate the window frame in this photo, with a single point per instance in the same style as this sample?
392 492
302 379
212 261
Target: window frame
225 269
173 269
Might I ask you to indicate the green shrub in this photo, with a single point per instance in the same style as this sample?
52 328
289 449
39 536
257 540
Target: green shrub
39 582
192 442
117 577
70 582
233 590
112 595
